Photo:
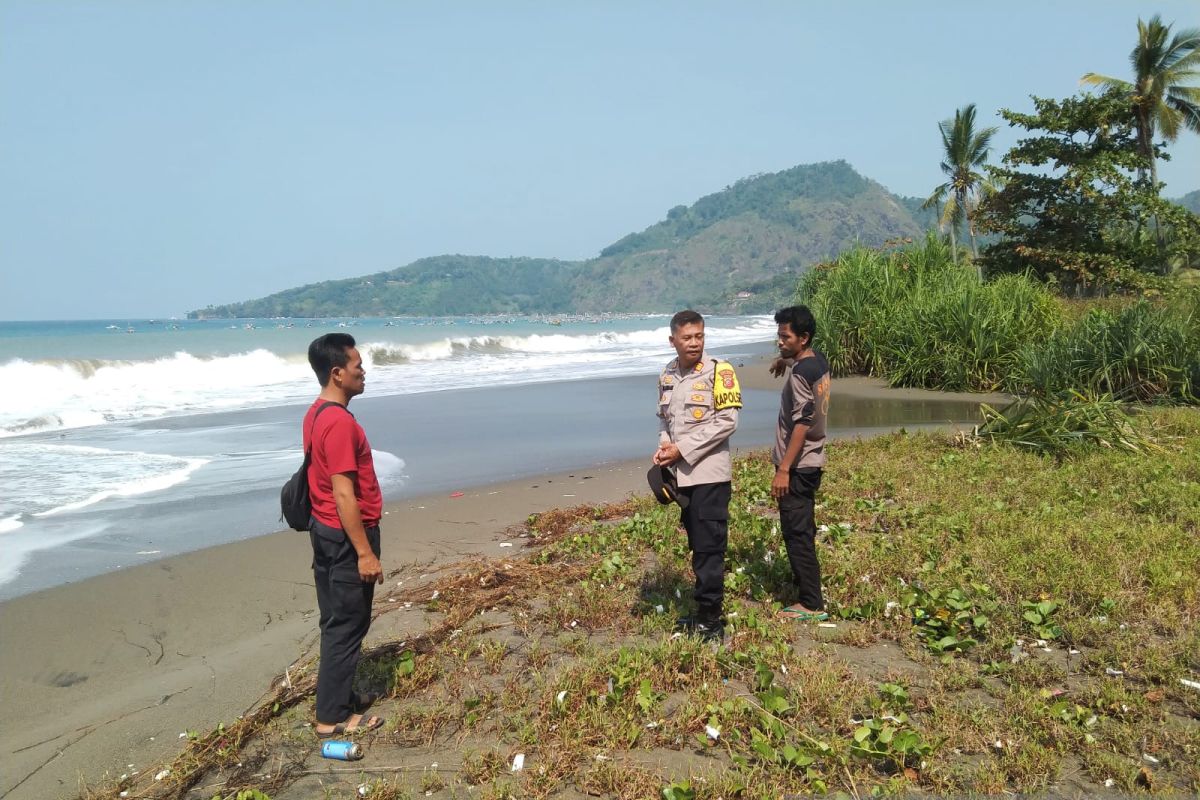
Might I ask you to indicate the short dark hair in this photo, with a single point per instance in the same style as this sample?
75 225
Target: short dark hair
685 317
327 352
799 319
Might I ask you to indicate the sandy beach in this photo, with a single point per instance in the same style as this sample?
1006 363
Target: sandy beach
101 677
111 670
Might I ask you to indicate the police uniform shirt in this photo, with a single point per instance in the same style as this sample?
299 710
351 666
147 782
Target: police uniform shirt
698 412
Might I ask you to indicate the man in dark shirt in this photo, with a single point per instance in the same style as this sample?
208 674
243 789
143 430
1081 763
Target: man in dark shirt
347 506
799 455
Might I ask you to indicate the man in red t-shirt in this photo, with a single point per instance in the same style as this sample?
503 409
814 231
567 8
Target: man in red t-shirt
346 505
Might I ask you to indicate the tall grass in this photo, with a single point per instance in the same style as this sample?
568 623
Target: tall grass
915 318
1143 353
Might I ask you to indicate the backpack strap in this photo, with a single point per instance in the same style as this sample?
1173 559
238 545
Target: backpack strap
312 428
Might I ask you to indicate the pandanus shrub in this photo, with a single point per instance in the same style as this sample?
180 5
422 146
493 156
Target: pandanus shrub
1145 352
914 317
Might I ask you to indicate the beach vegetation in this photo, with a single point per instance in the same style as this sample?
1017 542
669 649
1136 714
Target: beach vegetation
1162 93
1064 425
1070 207
909 315
1142 351
985 639
964 152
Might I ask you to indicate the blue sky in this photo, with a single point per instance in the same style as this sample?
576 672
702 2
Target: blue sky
159 156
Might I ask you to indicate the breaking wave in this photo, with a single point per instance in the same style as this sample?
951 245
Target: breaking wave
73 393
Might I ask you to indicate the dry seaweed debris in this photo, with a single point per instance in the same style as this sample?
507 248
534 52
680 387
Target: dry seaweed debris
468 588
557 523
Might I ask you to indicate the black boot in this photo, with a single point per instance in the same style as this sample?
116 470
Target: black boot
709 627
710 631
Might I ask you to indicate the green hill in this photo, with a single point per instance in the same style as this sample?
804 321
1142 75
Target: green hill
437 286
1190 201
740 249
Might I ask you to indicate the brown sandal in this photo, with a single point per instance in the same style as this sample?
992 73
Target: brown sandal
362 725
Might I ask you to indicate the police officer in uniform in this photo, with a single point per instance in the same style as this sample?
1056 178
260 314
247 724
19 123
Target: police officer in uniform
698 402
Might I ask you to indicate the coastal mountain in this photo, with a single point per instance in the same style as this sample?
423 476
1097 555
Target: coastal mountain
740 249
1190 201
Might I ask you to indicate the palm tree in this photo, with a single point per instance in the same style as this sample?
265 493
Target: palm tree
964 150
1161 101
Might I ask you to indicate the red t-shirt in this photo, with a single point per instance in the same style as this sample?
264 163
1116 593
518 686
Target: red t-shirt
339 445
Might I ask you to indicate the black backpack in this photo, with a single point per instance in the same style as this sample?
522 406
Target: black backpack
294 501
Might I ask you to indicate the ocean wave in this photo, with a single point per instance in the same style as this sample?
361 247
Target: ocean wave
8 524
389 354
74 393
382 354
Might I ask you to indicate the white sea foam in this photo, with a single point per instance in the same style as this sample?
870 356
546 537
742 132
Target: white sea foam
71 477
389 468
8 524
154 483
19 545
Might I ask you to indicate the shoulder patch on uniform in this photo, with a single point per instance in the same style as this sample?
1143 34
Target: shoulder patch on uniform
727 392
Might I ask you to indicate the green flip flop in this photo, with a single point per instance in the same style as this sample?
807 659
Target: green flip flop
802 614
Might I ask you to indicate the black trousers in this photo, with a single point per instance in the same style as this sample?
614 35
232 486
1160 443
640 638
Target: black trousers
345 604
706 520
800 533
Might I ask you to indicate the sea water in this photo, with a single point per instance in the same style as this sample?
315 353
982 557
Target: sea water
126 440
87 373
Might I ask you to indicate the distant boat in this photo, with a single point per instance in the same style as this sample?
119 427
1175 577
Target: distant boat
112 327
130 329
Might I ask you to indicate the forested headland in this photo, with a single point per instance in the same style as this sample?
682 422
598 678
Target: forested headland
741 249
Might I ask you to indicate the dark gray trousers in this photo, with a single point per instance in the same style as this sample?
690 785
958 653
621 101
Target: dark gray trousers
345 604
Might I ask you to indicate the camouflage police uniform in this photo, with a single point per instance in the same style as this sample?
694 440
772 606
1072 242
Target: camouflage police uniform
698 412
